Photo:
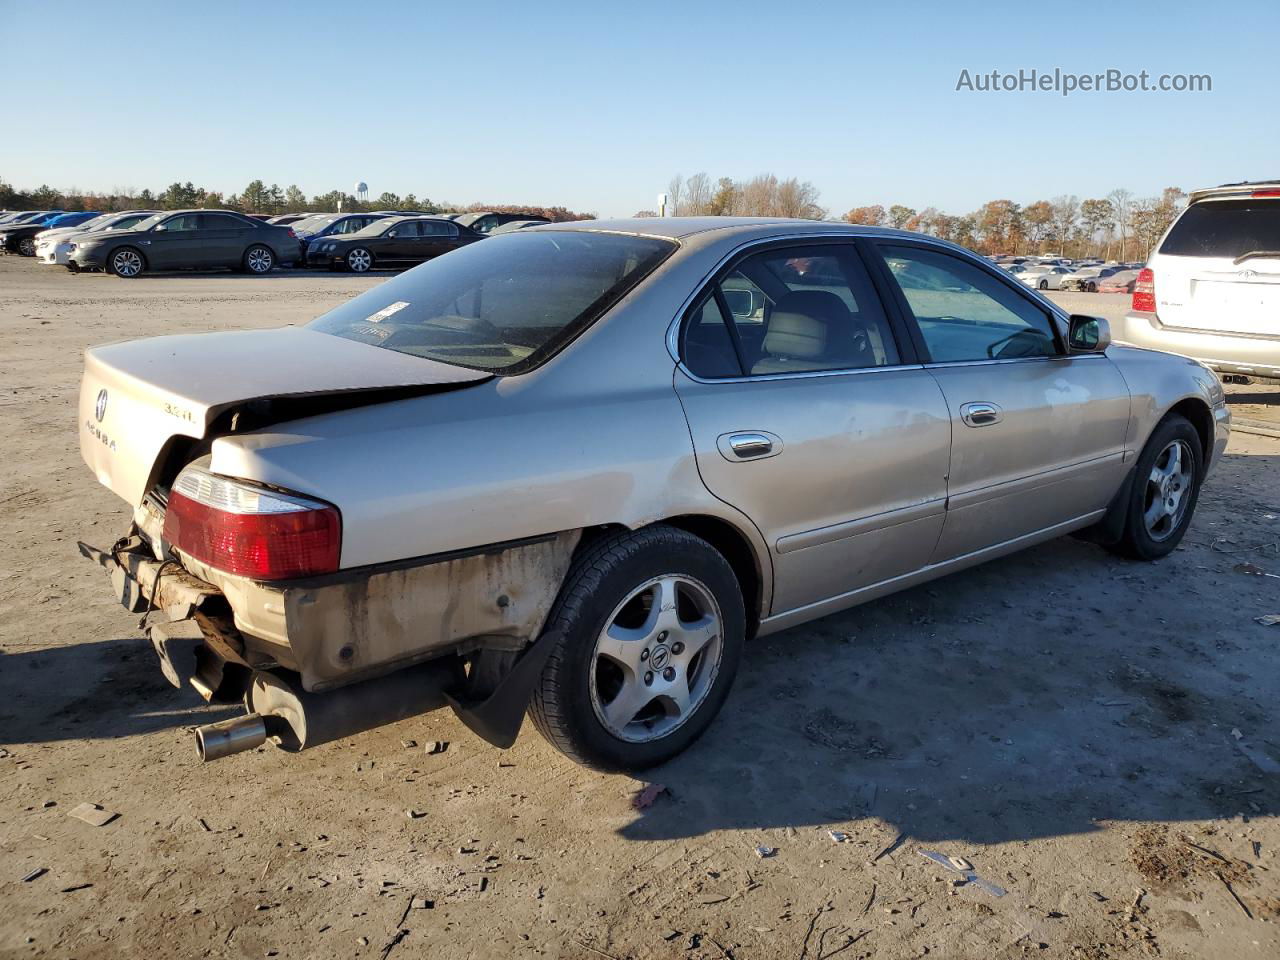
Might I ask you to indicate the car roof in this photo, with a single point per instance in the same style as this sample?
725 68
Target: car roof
677 228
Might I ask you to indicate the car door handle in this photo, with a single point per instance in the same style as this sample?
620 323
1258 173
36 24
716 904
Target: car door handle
981 414
753 445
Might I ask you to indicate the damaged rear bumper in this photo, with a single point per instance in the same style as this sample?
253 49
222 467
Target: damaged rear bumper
353 651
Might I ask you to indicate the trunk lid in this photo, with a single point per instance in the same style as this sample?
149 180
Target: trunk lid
136 397
1215 293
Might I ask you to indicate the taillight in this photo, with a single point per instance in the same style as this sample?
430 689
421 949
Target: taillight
1265 193
292 235
1144 291
249 531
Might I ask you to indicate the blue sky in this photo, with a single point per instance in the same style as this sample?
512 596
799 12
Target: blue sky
595 105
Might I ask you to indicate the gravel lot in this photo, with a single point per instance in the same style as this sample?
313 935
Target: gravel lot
1098 737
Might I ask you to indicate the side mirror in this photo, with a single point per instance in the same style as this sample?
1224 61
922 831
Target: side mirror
159 227
1088 334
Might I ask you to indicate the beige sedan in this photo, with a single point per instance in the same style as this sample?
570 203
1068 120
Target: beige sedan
573 469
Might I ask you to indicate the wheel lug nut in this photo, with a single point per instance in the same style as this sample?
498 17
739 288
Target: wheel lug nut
677 648
648 679
644 654
662 636
669 674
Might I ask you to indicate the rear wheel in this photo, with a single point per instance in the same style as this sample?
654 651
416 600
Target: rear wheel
1044 284
126 262
1091 287
651 627
359 260
1166 486
27 246
259 259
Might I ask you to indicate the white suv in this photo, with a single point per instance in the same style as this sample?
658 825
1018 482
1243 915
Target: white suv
1211 289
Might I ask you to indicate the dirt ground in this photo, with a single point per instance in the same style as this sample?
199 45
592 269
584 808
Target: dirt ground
1100 738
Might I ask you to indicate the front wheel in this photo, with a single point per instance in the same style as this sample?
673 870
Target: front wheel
27 247
1091 287
126 262
359 260
259 259
1044 284
1166 486
651 627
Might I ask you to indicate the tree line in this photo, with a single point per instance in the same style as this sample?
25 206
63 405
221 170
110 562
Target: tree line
762 196
257 197
1117 226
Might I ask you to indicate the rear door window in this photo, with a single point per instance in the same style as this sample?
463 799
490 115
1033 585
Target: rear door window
789 310
1225 228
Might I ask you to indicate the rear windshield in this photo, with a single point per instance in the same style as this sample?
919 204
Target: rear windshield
504 304
1225 228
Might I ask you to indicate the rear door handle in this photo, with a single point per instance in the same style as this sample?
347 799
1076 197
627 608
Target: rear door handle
752 445
981 414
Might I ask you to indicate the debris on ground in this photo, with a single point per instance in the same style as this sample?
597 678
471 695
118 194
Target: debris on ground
436 746
839 836
37 872
415 814
408 744
645 797
1268 620
1254 570
93 814
963 867
764 852
894 845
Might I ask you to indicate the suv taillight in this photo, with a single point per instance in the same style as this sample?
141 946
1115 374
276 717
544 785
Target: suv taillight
250 531
1144 291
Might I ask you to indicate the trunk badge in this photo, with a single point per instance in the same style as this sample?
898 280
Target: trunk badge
100 408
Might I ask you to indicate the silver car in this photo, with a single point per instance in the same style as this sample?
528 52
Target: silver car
572 469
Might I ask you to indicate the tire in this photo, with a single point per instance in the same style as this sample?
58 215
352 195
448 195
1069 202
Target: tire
126 262
585 694
258 260
1044 284
359 260
1091 287
27 246
1157 481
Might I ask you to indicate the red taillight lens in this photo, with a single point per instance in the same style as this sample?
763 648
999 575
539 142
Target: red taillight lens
1144 291
1265 193
292 235
250 532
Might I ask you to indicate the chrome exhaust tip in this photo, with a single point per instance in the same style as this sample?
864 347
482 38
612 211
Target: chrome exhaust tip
217 740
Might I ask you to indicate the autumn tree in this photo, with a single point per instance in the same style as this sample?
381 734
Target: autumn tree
1066 211
872 216
1121 200
900 215
1094 214
1037 221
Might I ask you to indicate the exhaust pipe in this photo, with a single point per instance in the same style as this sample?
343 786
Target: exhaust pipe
217 740
296 719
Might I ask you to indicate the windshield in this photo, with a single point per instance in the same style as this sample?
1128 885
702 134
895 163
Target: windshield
1225 228
505 304
150 221
309 224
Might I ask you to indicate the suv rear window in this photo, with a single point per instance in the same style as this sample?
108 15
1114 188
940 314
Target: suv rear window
1225 228
504 305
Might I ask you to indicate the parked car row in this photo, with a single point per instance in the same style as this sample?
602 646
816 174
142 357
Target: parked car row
134 242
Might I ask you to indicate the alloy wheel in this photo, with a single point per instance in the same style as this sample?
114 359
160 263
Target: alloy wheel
260 260
359 260
1168 490
657 658
27 247
127 263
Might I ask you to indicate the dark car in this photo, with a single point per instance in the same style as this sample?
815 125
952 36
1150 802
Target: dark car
485 221
391 242
19 234
335 224
187 240
1089 278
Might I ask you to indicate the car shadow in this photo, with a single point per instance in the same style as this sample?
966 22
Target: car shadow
108 689
294 273
1036 695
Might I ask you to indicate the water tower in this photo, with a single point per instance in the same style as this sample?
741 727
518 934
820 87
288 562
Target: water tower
362 191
